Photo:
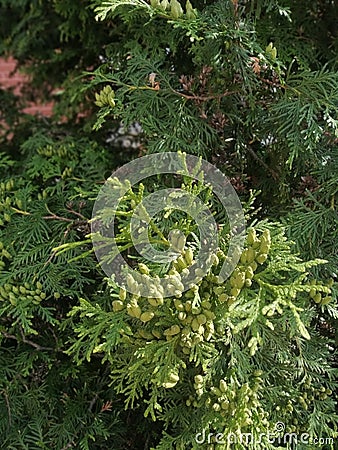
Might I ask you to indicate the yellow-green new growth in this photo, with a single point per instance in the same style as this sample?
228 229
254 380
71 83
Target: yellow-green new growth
176 9
105 97
190 11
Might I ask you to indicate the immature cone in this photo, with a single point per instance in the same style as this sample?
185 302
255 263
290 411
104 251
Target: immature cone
117 305
189 256
176 9
190 12
177 240
146 316
164 5
174 329
172 380
143 268
198 379
251 236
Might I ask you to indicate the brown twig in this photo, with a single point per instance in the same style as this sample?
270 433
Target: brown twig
257 158
92 402
204 98
26 341
65 219
8 408
55 217
78 214
52 216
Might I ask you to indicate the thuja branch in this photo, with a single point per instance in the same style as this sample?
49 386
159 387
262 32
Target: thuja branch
204 98
56 217
26 341
156 87
53 216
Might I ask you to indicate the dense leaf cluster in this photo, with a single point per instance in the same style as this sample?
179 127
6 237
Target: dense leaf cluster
249 85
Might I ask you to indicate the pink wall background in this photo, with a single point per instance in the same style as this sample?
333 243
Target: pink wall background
8 79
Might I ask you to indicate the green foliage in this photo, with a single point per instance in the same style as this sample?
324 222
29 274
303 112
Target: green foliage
45 198
213 85
219 333
249 85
